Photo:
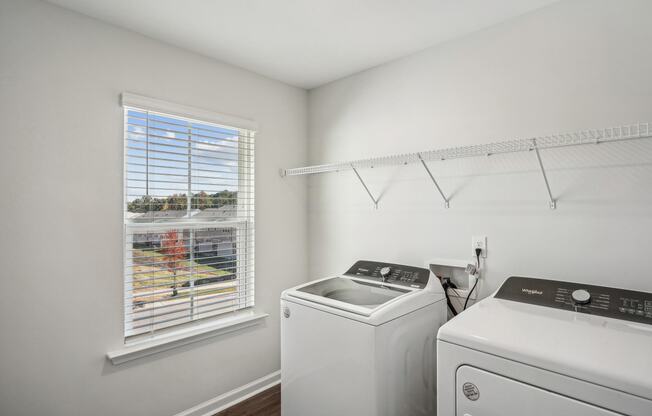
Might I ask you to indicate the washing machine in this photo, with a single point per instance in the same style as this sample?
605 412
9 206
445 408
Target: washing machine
362 343
543 347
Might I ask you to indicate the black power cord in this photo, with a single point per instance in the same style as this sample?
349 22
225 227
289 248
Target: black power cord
478 251
446 284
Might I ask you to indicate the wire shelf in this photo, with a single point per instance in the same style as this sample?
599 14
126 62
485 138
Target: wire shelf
607 135
613 134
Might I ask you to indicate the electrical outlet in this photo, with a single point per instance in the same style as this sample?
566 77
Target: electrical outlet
479 241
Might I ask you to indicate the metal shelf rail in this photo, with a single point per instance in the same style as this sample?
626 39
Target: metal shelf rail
586 137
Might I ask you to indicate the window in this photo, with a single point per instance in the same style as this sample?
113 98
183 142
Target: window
188 217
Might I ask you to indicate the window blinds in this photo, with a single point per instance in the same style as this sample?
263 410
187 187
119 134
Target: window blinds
189 220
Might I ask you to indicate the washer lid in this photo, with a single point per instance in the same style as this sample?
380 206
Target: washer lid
350 294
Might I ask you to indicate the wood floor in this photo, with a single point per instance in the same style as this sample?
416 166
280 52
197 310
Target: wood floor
265 403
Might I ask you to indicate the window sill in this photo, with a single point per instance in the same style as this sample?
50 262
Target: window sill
176 339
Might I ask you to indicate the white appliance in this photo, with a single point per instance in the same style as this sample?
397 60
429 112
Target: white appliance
361 344
542 347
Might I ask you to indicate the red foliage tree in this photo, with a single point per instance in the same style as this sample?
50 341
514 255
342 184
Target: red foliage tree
175 251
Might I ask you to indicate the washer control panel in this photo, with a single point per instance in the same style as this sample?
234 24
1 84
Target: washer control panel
397 274
610 302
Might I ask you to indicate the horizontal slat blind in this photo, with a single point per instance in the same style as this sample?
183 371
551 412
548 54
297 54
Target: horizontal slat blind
189 220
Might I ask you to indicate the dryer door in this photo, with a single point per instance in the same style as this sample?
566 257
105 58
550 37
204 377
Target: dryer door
481 393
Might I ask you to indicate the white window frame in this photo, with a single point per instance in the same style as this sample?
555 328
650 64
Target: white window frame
196 329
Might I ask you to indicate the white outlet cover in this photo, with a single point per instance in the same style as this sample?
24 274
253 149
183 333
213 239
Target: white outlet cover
479 241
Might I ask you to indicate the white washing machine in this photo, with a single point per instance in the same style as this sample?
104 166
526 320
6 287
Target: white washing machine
542 347
361 344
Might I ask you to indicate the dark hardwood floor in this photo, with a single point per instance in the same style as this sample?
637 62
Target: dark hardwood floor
265 403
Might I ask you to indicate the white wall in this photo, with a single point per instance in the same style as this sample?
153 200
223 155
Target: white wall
573 65
61 234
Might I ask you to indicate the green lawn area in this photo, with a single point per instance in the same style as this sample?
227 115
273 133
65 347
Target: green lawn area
158 275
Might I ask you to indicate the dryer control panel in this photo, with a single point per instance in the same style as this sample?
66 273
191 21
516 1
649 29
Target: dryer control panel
397 274
610 302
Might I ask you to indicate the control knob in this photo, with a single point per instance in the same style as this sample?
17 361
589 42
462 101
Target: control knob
581 296
384 272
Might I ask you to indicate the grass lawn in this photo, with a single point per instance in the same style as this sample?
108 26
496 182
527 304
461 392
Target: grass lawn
149 278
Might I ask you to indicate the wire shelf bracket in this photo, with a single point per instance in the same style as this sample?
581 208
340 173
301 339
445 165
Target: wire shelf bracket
552 201
375 200
434 181
607 135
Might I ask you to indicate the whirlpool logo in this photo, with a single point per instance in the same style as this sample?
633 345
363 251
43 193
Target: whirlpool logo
532 292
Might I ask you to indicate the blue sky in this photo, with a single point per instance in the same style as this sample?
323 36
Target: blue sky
214 159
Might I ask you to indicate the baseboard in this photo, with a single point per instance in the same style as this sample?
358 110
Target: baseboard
233 397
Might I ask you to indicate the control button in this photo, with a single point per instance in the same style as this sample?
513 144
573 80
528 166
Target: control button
581 296
621 309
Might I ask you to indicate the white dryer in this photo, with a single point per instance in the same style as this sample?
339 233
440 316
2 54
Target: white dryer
361 344
542 347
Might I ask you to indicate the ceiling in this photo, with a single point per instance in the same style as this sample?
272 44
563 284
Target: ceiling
305 43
